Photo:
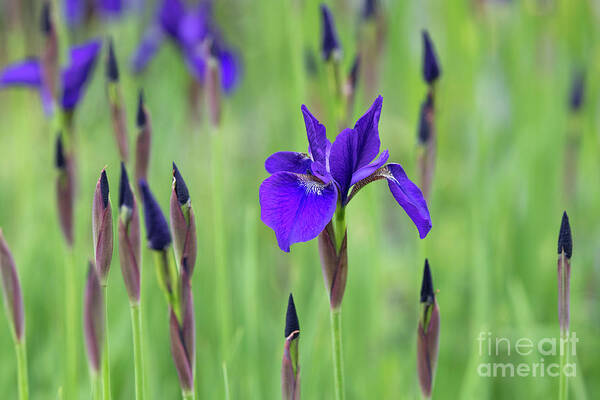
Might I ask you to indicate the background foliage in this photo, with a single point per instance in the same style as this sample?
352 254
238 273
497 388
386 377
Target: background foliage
498 196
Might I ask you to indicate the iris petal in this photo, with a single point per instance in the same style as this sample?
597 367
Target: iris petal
170 15
76 75
151 41
367 170
230 70
409 196
297 207
318 144
24 73
288 161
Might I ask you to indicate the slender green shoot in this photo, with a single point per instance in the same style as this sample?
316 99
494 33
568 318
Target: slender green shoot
136 323
338 359
21 351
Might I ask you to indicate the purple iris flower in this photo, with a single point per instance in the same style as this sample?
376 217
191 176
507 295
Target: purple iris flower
76 9
190 30
74 77
304 190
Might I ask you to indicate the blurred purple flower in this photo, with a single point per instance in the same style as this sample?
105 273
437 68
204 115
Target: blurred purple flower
74 77
76 9
191 31
300 198
330 45
431 67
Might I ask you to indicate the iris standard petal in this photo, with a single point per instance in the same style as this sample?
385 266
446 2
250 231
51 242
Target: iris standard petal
151 41
318 144
170 15
23 73
230 70
409 196
76 75
297 207
288 161
367 129
367 170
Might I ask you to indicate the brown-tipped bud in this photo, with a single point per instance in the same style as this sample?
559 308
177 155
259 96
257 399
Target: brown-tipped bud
93 319
117 108
183 338
334 264
213 90
428 334
65 189
565 250
183 224
129 238
143 141
11 289
102 227
50 68
290 365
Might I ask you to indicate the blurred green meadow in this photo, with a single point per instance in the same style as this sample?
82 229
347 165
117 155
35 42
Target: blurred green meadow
502 119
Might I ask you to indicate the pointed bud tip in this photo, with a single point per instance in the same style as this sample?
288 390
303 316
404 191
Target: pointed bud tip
141 113
577 91
60 153
46 21
157 229
291 319
112 69
329 39
427 293
125 193
431 68
104 188
565 240
181 190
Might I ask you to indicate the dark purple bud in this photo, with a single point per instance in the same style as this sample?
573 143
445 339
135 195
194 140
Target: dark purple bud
183 224
181 189
112 69
354 72
291 319
125 194
93 319
431 68
129 239
60 153
141 112
577 92
425 117
565 240
329 40
369 9
46 19
143 141
290 365
427 294
102 228
157 230
11 290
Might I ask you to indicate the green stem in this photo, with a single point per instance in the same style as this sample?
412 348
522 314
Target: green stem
222 291
105 356
339 226
96 387
563 389
71 323
21 351
338 359
188 395
136 323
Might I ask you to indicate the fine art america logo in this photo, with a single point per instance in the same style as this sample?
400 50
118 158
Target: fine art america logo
525 357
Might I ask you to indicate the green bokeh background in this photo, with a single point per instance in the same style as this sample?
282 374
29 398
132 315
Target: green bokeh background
502 119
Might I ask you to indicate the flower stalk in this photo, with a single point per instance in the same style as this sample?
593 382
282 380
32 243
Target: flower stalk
13 302
565 250
93 327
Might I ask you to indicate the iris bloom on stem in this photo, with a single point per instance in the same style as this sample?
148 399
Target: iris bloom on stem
74 77
189 30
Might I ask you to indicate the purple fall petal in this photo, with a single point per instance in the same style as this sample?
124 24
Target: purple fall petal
409 196
355 148
288 161
297 207
318 144
151 41
23 73
76 75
